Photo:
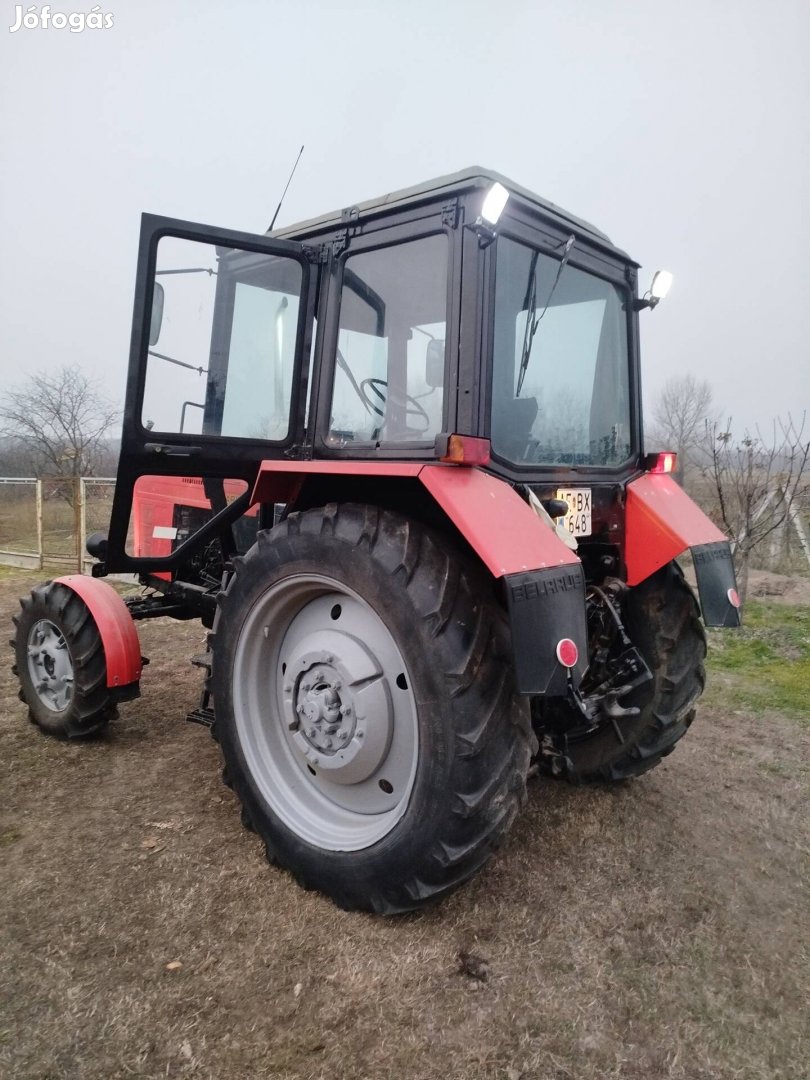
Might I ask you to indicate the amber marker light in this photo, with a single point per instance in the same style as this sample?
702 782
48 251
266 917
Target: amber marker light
661 463
464 450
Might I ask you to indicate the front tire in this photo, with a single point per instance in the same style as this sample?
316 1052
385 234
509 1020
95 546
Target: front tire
60 663
365 707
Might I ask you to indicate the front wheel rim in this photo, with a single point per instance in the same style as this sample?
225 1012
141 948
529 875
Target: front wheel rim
325 713
50 665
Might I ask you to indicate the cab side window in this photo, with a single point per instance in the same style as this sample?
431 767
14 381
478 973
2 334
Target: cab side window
389 373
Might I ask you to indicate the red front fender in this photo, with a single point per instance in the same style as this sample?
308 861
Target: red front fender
122 650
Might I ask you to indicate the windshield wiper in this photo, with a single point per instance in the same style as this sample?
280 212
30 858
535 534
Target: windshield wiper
529 303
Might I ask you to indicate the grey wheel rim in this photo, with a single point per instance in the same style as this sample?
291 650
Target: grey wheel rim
325 713
50 665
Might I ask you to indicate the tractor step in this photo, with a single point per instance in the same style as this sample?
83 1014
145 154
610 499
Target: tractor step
203 716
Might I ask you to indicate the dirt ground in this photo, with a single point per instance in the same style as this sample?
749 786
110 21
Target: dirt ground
656 929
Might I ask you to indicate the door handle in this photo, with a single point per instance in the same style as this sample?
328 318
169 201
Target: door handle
168 450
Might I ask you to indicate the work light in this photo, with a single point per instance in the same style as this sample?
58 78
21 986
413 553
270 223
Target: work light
661 284
494 202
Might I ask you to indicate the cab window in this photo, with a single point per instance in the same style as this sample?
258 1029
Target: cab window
389 372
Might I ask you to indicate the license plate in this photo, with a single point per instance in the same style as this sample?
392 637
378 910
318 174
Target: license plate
578 519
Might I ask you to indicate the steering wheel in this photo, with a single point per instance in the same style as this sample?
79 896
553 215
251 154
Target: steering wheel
375 398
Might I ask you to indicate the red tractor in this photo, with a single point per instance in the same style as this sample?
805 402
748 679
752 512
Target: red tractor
392 458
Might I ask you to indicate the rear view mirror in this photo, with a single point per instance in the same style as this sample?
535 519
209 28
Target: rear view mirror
434 363
157 313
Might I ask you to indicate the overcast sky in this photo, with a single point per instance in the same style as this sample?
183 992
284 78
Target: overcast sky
681 129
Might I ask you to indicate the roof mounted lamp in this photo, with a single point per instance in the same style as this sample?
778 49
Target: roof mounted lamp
659 287
494 202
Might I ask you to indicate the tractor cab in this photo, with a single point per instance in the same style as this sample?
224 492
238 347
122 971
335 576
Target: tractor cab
373 334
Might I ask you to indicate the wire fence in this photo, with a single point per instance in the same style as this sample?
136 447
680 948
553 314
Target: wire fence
46 521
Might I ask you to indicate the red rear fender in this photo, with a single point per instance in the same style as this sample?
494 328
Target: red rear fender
543 579
661 523
496 522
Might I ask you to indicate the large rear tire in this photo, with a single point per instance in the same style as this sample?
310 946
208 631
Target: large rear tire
60 663
661 618
365 707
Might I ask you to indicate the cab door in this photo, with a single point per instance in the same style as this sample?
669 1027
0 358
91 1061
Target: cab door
217 383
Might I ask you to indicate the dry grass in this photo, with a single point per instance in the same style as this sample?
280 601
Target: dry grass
653 930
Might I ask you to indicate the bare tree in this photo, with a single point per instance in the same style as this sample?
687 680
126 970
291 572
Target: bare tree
680 413
757 483
59 422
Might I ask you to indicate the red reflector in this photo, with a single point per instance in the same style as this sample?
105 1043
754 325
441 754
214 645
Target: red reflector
567 652
663 463
466 450
734 598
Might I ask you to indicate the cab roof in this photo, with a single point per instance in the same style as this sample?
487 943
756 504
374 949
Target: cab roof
458 183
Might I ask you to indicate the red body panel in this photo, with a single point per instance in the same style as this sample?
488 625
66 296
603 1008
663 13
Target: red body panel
502 529
153 503
661 522
122 650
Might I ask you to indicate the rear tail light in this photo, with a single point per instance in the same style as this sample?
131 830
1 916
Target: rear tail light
734 598
567 652
661 463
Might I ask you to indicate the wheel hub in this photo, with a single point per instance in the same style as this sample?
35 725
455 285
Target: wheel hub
326 722
338 705
50 665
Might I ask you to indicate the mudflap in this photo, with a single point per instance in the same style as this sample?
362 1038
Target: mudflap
717 584
546 606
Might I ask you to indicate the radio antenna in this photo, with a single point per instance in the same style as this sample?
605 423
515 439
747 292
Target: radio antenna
284 192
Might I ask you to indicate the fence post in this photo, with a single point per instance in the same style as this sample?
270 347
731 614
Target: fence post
40 542
82 521
78 507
